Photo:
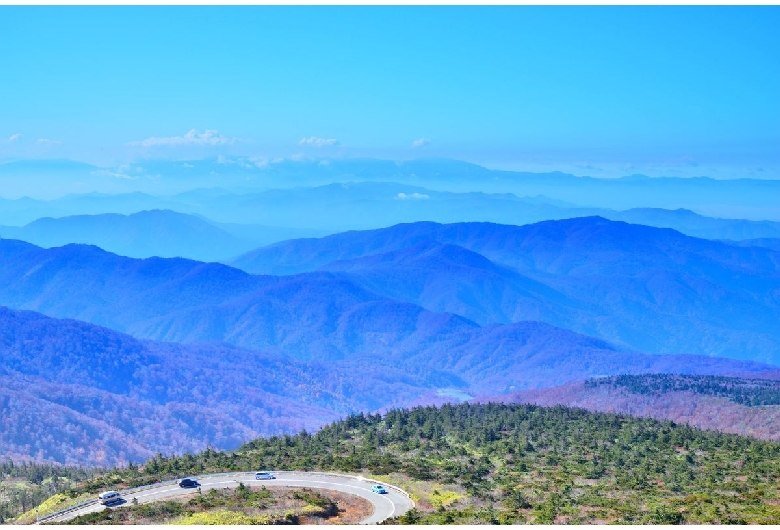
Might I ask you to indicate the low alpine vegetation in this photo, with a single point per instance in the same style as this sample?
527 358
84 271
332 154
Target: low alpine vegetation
495 463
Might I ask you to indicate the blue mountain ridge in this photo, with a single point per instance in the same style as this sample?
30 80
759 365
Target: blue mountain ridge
148 233
641 287
740 198
144 234
268 215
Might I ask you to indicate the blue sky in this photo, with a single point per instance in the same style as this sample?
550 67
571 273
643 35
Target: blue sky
602 91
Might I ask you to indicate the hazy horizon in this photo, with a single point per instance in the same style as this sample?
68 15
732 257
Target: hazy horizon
598 91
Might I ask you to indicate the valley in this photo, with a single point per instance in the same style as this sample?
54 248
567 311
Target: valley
141 356
115 359
510 264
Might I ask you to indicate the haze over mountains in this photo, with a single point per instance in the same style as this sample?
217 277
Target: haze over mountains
740 198
315 211
488 285
144 234
591 275
244 217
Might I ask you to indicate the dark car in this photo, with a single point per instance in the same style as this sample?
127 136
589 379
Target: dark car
187 482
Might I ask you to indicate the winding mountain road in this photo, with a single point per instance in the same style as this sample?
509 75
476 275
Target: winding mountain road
391 504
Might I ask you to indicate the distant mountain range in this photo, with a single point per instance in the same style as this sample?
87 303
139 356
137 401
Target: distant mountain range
163 320
639 287
145 234
332 207
692 224
264 217
361 320
706 402
740 198
628 284
149 233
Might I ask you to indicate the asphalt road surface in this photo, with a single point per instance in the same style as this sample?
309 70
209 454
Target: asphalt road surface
391 504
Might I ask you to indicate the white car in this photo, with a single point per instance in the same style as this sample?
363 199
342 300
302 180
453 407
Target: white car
264 475
109 497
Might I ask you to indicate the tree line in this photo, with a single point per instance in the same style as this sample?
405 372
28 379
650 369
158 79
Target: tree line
748 392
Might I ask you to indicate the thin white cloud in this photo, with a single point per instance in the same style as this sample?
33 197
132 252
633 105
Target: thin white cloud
421 142
587 166
209 137
252 162
258 162
113 174
412 196
316 141
14 137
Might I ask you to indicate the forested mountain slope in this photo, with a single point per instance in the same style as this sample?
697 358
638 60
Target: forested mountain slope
73 392
76 393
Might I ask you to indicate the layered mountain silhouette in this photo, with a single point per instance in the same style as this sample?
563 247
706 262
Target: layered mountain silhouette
331 315
270 215
740 198
640 287
122 341
693 224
